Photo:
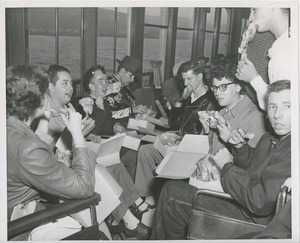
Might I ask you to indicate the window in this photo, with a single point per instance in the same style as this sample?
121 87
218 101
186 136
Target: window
185 27
112 37
225 31
155 31
69 32
223 35
210 19
47 45
41 36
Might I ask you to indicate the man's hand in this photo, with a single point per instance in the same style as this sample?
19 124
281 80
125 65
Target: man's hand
223 157
93 138
239 138
139 109
118 128
288 183
246 70
99 103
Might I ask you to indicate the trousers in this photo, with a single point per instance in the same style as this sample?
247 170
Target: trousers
148 160
129 194
174 210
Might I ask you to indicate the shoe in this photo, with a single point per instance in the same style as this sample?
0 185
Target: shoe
138 213
141 232
114 229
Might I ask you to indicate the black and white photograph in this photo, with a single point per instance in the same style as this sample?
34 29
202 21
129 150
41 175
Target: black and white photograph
149 121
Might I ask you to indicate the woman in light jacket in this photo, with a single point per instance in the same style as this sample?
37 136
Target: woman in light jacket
32 168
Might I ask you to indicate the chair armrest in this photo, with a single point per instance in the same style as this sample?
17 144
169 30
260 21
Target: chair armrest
29 222
199 192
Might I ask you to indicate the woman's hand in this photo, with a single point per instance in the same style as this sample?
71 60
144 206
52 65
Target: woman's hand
224 130
73 124
44 120
204 119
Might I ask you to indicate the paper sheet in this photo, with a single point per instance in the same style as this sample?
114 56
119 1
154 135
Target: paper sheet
178 165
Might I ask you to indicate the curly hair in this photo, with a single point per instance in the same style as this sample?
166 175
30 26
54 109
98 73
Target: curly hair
53 70
89 74
222 70
26 86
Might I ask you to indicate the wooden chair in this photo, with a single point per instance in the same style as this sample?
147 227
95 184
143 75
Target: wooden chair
29 222
204 225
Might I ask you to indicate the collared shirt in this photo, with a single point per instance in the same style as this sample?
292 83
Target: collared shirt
243 115
279 66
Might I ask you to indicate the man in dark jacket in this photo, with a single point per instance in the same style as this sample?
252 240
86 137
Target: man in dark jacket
201 99
125 104
253 180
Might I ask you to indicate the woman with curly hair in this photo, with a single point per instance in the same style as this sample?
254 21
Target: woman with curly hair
32 168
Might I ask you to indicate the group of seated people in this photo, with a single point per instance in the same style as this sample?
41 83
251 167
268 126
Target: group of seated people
254 158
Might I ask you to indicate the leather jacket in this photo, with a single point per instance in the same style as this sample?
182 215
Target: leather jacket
33 168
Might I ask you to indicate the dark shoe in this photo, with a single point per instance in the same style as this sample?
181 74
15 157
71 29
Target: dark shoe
141 232
138 213
114 229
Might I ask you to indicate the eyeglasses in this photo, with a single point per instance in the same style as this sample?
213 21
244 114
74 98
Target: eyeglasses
221 87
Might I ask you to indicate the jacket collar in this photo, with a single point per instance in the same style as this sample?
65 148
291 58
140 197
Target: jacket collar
19 125
239 107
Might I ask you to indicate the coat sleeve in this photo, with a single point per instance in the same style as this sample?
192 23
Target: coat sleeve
258 190
261 88
39 169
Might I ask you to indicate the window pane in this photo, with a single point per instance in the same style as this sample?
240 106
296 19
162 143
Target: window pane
183 45
223 44
225 20
41 28
153 43
105 40
210 19
156 16
122 48
186 17
208 45
69 40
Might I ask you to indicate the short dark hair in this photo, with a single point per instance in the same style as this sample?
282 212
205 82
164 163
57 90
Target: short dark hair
279 86
89 74
197 65
53 70
26 86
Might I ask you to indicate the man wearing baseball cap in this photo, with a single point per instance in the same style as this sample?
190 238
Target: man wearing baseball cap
125 105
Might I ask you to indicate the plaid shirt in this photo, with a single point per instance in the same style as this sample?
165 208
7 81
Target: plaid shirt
257 53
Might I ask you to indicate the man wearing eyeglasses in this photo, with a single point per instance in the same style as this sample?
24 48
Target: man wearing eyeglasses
253 179
238 110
